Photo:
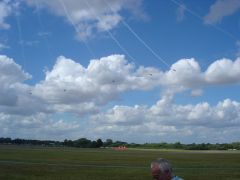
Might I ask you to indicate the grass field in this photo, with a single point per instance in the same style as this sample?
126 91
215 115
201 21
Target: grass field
32 163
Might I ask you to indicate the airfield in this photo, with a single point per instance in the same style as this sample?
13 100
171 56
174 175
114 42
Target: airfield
35 163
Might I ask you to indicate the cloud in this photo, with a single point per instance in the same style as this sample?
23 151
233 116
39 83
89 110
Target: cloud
188 74
21 113
181 12
38 126
7 8
196 92
5 11
29 42
71 87
166 120
223 71
221 9
89 17
10 72
122 115
15 95
87 92
44 34
3 46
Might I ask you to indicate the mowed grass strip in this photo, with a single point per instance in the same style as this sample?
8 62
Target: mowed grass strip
32 163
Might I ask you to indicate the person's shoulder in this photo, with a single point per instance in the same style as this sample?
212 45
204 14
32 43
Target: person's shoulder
176 178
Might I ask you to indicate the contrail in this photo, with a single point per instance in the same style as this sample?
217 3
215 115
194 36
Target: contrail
74 25
201 18
112 36
139 38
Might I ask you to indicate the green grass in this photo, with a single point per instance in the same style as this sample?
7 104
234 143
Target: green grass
31 163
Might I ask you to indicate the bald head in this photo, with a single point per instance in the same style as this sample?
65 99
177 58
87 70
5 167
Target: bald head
161 169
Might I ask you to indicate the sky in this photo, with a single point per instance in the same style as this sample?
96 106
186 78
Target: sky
130 70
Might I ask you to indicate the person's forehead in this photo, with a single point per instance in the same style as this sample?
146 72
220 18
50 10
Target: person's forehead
155 168
154 164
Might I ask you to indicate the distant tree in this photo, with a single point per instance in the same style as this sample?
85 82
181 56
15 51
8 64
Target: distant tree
99 143
108 142
93 144
83 143
178 145
68 143
5 140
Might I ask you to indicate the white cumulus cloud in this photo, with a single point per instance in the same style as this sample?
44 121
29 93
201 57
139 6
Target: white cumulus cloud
223 71
166 120
71 87
38 126
86 92
15 95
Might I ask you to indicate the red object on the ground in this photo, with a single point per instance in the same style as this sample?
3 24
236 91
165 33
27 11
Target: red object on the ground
120 148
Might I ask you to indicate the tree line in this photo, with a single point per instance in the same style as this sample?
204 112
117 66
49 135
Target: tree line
86 143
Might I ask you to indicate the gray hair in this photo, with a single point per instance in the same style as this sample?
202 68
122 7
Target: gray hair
164 165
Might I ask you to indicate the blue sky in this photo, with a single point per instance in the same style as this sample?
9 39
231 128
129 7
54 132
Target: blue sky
137 71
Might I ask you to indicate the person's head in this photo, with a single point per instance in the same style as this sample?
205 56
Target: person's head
161 169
